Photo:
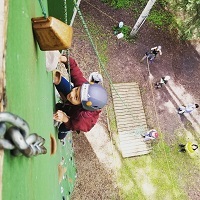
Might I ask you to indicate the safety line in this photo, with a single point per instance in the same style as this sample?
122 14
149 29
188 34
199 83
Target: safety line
98 56
110 81
43 9
67 52
158 124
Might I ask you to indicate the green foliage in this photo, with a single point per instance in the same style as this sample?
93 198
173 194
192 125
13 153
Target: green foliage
187 14
119 3
157 171
163 3
160 18
125 30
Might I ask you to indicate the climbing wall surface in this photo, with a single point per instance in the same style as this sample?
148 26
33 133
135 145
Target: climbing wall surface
3 29
131 120
55 172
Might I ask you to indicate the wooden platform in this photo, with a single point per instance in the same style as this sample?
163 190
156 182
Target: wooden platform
131 120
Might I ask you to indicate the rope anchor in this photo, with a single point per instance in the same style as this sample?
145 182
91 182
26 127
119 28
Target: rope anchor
17 139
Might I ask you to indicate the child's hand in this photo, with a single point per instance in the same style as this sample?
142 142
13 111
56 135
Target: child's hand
63 59
60 116
95 77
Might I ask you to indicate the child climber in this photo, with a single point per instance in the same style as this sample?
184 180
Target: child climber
82 102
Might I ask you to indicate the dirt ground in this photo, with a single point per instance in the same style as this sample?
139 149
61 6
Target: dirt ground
180 60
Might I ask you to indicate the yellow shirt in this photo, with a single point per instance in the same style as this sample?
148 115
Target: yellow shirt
189 148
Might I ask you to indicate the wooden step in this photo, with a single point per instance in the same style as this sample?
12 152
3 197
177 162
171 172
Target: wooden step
130 119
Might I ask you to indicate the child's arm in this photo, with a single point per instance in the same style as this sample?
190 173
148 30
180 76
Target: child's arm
84 121
153 48
77 77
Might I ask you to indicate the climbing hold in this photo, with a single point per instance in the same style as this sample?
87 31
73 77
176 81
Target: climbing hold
61 171
53 144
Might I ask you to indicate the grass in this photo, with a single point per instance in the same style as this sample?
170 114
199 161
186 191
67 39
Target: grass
163 174
154 176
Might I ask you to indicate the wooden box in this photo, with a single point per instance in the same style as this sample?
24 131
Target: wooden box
52 34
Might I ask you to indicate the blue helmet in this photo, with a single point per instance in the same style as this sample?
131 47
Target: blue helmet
93 96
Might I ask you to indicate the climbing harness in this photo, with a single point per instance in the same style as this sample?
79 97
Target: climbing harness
16 137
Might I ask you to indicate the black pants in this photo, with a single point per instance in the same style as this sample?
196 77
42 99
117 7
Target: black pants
62 130
182 148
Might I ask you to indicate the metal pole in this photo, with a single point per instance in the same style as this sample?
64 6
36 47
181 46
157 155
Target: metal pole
142 17
75 11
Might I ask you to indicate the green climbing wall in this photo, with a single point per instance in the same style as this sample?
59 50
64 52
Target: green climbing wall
30 95
57 9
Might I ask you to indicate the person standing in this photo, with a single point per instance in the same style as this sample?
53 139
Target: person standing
189 147
162 82
187 109
156 50
152 54
150 135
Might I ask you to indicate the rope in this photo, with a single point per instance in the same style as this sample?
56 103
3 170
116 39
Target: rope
110 81
68 66
98 56
158 124
43 9
67 52
65 11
